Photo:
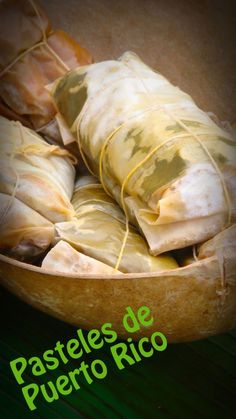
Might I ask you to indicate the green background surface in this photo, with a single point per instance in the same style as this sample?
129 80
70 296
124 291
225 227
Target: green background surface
193 380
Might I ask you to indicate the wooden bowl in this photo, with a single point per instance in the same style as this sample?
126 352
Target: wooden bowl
187 303
182 40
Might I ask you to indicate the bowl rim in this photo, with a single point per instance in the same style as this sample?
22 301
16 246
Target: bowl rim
121 276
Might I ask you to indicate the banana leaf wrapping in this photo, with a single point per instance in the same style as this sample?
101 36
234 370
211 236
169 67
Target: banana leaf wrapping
99 228
36 185
223 245
32 55
64 258
24 233
168 165
38 174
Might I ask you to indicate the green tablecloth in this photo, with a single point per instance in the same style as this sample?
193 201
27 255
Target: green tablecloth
194 380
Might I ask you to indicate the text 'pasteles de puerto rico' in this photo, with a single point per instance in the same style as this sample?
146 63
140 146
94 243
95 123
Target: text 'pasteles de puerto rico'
123 354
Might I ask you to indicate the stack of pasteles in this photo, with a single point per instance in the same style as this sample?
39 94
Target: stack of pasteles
36 185
167 164
32 56
99 230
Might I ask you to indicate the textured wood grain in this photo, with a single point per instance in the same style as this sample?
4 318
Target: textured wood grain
187 303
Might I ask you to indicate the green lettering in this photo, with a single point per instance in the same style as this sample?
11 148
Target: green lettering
51 361
18 366
83 369
143 313
72 378
107 331
93 336
145 354
130 321
119 357
37 366
61 383
83 341
133 350
59 348
94 369
54 394
30 396
71 347
155 344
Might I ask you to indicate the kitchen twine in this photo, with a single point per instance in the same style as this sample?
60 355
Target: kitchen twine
44 42
111 136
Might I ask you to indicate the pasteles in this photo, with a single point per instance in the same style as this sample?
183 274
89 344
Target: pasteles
38 174
167 164
24 233
99 231
63 258
32 56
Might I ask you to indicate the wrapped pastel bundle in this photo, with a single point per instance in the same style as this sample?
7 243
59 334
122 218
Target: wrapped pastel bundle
36 185
223 245
37 173
167 164
99 231
64 258
32 56
24 233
